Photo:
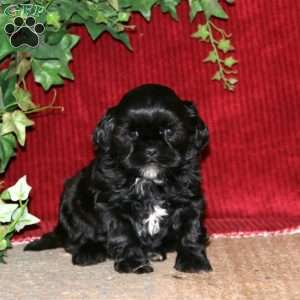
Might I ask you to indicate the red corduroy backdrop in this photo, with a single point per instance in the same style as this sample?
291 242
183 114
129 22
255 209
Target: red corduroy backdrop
252 171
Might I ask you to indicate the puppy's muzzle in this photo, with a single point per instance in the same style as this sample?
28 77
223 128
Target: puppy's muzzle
151 152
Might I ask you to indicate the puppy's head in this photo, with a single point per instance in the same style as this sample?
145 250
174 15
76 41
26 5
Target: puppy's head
151 132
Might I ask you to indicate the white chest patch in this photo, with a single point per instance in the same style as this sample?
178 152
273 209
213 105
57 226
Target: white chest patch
152 222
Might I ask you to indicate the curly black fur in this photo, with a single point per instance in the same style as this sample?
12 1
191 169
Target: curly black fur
147 161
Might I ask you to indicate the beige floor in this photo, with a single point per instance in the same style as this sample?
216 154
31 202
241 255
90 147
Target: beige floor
249 268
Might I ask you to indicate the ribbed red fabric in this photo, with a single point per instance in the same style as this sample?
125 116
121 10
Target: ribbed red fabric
251 172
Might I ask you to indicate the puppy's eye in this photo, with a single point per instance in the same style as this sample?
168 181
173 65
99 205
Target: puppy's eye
166 132
134 134
169 132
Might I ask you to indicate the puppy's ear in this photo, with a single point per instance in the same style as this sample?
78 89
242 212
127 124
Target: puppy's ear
201 130
103 132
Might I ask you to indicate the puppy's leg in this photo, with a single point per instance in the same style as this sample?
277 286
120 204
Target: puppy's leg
127 252
89 253
132 260
191 250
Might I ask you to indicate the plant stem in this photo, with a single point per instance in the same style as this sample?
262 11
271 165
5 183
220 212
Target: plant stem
213 44
39 109
222 71
223 33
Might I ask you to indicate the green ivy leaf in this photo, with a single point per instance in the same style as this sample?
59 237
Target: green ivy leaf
195 7
16 122
114 4
6 212
143 7
230 61
229 87
50 72
201 33
3 245
1 99
54 37
212 57
217 76
8 144
23 68
101 18
121 36
123 17
233 81
53 19
94 29
2 256
20 190
7 84
213 8
5 194
2 231
67 8
169 6
25 219
5 46
61 51
225 45
23 99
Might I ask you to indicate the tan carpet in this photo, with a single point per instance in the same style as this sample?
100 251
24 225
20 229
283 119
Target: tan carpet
248 268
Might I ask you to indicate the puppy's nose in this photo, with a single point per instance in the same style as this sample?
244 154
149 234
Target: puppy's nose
151 152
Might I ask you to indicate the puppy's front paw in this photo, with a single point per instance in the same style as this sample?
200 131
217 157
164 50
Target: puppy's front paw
132 266
192 263
86 257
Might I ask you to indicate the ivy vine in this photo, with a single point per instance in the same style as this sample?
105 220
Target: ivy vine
49 61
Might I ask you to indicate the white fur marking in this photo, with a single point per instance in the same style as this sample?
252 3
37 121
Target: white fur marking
153 220
139 184
150 172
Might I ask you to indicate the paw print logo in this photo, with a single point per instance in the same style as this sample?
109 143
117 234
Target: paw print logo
24 32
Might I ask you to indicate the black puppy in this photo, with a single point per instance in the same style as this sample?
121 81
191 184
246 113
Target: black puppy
140 197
